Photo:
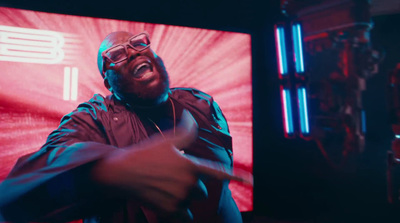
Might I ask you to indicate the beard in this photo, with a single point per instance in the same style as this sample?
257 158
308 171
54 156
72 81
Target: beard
136 94
148 97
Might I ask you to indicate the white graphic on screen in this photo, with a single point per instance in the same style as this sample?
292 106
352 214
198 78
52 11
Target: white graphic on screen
30 45
70 84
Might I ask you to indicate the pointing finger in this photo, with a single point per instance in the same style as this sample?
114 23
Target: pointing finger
219 171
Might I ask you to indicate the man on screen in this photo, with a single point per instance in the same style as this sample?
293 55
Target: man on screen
145 153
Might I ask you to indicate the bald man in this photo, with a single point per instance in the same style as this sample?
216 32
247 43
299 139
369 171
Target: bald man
145 153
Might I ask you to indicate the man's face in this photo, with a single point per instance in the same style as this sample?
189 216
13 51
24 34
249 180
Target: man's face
141 78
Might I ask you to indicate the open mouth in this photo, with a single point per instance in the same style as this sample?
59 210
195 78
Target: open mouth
142 69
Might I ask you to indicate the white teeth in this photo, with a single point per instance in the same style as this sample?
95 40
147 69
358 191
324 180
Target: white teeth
140 66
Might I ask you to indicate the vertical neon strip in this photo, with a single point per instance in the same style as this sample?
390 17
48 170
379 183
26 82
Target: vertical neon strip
74 84
278 50
303 110
67 83
301 59
281 50
298 48
287 111
363 122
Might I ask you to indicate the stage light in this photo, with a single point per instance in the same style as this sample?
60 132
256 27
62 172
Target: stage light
303 110
287 111
363 122
281 50
298 48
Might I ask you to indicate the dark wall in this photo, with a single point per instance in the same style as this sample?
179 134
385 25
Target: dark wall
294 180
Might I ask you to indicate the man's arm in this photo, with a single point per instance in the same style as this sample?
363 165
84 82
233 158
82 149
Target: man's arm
73 176
56 177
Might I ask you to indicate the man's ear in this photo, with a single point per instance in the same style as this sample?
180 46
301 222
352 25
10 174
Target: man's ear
106 84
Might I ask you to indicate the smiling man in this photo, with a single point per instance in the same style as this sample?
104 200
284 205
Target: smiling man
131 70
145 153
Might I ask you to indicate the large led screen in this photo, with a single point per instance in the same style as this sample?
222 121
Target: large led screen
48 66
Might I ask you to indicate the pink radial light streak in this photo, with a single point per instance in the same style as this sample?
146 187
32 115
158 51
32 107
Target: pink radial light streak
31 93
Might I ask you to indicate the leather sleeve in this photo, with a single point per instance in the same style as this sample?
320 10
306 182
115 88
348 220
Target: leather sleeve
53 184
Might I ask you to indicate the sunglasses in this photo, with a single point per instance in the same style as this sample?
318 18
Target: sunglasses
119 53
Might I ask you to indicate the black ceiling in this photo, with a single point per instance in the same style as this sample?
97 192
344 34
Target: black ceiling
231 15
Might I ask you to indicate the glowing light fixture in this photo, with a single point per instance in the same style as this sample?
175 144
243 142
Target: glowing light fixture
281 50
363 122
298 48
287 111
303 110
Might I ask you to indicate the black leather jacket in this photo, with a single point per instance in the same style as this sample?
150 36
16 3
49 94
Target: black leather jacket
53 184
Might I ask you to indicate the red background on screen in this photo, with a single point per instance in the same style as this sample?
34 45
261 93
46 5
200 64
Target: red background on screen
32 93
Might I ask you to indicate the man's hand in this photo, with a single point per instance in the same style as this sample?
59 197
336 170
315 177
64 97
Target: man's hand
156 173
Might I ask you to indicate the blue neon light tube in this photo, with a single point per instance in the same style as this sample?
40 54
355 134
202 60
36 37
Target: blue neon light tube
363 122
281 49
298 48
287 110
303 110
